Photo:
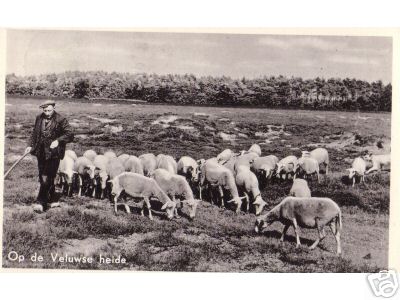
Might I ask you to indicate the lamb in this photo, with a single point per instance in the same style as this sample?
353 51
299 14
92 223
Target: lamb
85 169
256 149
166 162
90 154
148 162
176 186
67 174
71 154
287 165
264 167
215 175
378 161
308 166
123 157
306 212
134 164
321 155
100 176
357 169
300 188
247 184
110 154
137 185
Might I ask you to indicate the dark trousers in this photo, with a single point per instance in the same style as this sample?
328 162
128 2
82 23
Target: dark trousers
47 174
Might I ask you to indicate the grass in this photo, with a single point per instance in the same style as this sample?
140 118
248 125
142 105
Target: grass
217 239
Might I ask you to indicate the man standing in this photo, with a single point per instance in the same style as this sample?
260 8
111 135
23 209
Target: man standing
48 140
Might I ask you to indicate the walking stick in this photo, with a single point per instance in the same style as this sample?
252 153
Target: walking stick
15 164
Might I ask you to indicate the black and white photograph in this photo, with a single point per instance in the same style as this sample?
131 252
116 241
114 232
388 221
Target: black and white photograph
197 151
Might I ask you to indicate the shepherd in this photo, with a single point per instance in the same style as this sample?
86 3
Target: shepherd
47 142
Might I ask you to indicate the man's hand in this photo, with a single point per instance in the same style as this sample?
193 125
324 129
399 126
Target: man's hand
27 150
54 144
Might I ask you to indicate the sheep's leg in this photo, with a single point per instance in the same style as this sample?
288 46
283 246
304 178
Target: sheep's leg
321 235
354 180
94 191
247 202
297 232
336 232
285 229
326 169
80 186
147 202
318 177
115 203
176 208
221 194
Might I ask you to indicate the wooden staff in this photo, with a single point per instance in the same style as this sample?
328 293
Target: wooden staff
15 164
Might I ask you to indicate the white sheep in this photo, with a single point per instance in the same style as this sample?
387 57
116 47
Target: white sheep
256 149
110 154
166 162
357 169
148 162
247 184
123 157
300 188
378 161
90 154
134 164
176 186
225 155
85 169
101 175
286 166
306 212
264 167
67 174
72 154
137 185
321 155
308 166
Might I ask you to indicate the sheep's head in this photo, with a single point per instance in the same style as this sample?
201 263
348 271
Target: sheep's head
352 172
169 207
259 204
192 204
116 188
279 168
238 202
264 221
367 157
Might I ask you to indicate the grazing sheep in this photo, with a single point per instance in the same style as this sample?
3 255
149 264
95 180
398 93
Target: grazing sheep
378 162
286 166
308 166
85 169
300 188
247 184
264 167
256 149
137 185
123 157
357 169
148 162
100 176
188 168
133 164
215 175
110 154
67 174
166 162
176 186
225 155
305 212
90 154
321 155
72 154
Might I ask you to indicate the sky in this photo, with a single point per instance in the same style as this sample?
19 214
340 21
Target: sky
234 55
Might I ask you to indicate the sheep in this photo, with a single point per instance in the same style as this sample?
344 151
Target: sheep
148 162
357 169
307 166
114 168
300 188
133 164
188 168
101 175
287 165
321 155
137 185
215 175
176 186
247 183
85 169
67 174
264 167
72 154
110 154
166 162
225 155
305 212
90 154
378 161
256 149
123 157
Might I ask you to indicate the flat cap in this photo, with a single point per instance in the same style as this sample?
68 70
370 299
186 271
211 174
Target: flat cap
47 103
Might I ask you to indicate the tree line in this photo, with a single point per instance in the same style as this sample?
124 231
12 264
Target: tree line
273 91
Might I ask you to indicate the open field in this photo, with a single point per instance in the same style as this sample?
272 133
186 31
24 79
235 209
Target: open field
217 239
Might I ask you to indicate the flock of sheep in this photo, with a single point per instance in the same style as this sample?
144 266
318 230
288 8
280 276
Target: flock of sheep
236 175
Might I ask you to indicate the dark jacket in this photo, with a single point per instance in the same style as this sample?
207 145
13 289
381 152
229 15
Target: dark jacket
59 129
